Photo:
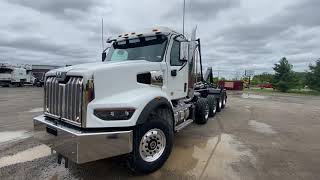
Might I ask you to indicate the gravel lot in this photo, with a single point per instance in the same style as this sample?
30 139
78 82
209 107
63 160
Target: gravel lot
254 137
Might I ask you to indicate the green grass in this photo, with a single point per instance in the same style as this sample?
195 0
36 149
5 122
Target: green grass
306 92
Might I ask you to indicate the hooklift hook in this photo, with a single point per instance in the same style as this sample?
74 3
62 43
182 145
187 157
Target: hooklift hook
66 160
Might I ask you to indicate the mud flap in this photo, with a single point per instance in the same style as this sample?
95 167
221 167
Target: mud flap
66 160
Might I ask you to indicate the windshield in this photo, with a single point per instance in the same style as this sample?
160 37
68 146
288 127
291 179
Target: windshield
145 48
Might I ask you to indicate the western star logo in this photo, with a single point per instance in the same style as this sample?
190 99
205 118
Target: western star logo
61 76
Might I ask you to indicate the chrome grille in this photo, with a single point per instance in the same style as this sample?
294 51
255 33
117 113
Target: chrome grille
64 100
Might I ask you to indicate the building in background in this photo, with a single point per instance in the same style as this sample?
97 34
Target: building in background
39 71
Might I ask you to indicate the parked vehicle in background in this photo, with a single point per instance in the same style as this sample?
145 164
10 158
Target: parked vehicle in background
231 85
131 103
10 75
16 75
38 82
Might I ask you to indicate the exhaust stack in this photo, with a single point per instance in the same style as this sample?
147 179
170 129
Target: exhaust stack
192 74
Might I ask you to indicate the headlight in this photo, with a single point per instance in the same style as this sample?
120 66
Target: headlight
114 114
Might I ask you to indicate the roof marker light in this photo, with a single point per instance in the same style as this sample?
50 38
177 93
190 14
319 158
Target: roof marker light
133 33
155 30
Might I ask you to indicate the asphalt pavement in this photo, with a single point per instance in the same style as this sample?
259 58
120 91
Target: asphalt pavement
257 136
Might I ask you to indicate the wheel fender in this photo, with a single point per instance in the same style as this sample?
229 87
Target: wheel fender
153 104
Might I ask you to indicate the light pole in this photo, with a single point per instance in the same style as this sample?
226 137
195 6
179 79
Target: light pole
184 9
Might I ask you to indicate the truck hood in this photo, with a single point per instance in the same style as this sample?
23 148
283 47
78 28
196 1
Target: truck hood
88 69
111 78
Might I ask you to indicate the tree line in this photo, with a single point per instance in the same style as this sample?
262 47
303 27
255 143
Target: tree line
285 79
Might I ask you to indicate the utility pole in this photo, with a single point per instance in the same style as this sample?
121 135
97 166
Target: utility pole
184 9
249 73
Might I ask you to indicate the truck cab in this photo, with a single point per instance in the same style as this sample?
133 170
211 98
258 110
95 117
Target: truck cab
144 90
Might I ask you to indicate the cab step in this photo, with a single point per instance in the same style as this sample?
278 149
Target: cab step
183 125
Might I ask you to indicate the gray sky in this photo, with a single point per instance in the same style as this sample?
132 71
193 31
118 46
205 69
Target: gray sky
236 34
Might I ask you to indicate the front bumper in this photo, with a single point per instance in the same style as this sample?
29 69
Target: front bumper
79 146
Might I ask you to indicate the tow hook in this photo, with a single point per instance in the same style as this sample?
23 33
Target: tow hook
66 160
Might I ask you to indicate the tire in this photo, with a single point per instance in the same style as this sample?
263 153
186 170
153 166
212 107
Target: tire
224 101
219 104
156 137
202 111
212 105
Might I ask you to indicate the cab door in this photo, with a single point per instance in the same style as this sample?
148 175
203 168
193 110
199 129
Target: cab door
177 74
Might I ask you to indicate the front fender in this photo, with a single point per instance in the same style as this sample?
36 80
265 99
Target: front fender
136 98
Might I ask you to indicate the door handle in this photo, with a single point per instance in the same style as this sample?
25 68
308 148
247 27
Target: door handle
174 72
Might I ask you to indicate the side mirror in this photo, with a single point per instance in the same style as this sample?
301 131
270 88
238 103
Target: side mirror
103 56
184 51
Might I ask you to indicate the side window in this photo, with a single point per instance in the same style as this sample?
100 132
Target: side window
175 54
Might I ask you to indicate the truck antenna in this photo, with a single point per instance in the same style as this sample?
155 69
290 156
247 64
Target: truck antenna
184 9
102 43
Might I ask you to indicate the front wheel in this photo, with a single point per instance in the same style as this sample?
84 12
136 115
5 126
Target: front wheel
152 143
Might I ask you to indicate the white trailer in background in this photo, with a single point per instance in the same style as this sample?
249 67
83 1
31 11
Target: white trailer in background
15 75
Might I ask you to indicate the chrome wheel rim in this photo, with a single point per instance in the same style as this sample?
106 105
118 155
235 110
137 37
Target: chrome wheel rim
152 145
224 101
214 109
206 111
220 103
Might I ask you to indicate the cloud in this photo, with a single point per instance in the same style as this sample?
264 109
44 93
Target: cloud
293 32
36 50
201 10
60 8
303 13
236 34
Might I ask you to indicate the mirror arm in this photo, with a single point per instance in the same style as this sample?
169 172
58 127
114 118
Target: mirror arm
106 49
184 64
180 35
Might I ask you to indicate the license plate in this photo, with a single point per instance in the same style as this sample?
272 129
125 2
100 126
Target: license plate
52 131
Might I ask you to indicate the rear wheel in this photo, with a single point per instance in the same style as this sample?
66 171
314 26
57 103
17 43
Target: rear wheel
202 111
224 101
219 104
212 105
152 142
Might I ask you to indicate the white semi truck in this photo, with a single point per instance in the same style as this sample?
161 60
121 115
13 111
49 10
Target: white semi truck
144 90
